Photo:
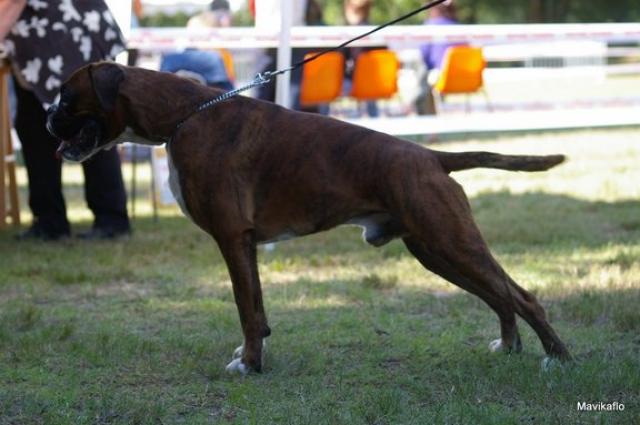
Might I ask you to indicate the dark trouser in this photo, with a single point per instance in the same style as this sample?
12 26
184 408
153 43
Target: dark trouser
104 187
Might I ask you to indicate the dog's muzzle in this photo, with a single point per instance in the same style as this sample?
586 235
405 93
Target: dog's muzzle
79 138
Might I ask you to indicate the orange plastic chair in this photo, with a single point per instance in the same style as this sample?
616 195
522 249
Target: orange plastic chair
375 75
461 72
322 79
227 58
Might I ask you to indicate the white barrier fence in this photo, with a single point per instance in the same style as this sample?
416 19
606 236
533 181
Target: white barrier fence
161 39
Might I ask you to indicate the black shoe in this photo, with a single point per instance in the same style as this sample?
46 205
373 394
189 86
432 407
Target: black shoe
39 233
103 233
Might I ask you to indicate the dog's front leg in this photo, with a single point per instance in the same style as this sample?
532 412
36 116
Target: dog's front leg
239 252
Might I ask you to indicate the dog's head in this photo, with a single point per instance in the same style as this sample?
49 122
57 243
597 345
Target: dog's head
86 117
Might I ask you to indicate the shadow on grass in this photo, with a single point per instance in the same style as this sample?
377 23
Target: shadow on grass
539 219
535 224
515 224
530 218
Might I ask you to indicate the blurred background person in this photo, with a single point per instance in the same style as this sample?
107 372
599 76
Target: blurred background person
356 12
218 14
46 42
136 13
433 54
204 66
305 12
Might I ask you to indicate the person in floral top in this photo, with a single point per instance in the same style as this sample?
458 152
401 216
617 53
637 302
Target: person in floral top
46 41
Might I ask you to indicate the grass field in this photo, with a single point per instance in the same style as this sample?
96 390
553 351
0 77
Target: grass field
138 331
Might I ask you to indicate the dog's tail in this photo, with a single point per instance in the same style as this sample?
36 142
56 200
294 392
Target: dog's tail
458 161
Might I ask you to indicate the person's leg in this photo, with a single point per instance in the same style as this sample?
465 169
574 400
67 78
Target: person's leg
297 55
44 170
294 93
425 103
372 109
106 195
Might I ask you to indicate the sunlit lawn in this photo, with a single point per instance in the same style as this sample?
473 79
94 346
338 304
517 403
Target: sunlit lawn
139 330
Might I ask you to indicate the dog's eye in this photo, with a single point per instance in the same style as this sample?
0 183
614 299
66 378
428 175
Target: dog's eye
65 105
65 98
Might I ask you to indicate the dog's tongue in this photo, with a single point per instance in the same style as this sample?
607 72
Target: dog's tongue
63 145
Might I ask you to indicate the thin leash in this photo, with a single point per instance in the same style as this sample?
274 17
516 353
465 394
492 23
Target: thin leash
267 76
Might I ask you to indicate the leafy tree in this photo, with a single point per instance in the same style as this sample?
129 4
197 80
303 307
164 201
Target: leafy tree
165 20
504 11
469 11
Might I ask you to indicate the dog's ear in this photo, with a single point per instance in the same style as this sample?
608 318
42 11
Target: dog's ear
105 80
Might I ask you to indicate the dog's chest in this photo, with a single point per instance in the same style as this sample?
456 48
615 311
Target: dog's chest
130 136
174 184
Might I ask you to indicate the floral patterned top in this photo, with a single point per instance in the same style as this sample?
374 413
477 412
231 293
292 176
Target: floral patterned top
51 39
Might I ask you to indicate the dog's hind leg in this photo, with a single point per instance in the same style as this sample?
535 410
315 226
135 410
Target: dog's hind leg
530 310
445 239
493 291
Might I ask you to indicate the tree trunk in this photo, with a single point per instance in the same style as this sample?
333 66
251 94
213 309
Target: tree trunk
536 11
562 10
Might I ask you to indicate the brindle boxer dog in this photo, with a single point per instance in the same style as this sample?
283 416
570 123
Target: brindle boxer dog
250 172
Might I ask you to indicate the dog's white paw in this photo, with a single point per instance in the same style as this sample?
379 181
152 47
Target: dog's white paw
236 366
550 363
496 346
238 352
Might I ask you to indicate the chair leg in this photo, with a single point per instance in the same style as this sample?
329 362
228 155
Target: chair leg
486 98
14 201
154 199
134 178
434 103
3 169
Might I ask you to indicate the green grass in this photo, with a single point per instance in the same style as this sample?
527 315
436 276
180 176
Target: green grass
139 331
